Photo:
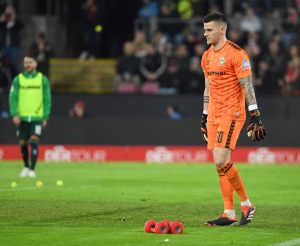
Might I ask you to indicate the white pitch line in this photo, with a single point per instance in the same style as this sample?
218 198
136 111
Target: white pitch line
17 189
288 243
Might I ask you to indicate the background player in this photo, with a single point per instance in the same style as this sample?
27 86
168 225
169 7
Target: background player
228 82
30 105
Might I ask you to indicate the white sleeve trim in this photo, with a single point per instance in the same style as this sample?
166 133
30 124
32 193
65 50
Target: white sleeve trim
252 107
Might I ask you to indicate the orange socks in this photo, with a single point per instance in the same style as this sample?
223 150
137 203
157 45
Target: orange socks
235 180
227 192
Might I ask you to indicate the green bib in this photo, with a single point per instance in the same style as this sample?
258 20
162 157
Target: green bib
31 96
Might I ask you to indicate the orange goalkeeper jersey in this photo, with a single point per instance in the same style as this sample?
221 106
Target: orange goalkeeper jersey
223 68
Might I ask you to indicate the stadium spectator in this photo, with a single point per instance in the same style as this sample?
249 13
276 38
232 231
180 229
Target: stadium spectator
139 43
253 46
194 82
173 112
182 59
277 38
271 25
261 4
200 7
185 9
275 57
78 110
290 84
91 38
235 36
250 22
291 26
170 81
10 28
264 83
198 51
170 24
190 41
30 105
152 66
42 50
149 9
183 74
297 4
161 43
127 72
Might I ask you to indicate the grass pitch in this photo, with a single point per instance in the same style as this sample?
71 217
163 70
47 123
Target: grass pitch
108 204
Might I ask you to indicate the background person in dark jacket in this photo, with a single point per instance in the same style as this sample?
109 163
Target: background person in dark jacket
10 28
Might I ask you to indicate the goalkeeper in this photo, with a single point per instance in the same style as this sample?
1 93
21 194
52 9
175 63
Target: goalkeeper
228 84
30 104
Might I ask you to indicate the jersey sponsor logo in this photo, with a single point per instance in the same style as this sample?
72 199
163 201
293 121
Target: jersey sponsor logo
246 65
222 60
216 73
30 87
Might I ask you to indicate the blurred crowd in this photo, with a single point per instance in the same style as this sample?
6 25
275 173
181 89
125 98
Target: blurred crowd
163 54
167 60
10 45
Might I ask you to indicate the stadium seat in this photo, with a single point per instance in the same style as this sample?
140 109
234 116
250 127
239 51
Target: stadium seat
150 87
127 88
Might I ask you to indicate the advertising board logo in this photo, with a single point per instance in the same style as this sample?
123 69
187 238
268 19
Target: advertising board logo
162 154
60 153
272 156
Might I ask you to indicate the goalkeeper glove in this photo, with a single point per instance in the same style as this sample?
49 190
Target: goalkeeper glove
203 127
255 130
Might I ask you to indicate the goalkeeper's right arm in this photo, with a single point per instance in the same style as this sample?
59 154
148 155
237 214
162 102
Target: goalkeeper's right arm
204 128
205 111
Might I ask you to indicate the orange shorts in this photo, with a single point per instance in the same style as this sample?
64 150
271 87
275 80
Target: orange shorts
223 134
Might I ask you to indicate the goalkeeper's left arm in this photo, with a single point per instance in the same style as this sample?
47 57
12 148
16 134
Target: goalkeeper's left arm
255 130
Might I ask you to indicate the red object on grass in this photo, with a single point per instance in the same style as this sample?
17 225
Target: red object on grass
176 227
162 227
150 226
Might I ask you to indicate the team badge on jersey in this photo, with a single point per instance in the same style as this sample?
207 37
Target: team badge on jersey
222 60
246 65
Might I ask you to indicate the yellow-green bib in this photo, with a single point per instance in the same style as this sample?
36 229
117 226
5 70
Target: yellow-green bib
31 96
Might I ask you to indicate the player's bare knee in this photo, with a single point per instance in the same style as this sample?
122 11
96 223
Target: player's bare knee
34 138
221 156
219 162
23 142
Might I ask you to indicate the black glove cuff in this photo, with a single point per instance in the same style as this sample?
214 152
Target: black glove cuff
204 118
254 113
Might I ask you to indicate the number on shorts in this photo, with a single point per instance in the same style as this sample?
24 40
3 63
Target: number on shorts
38 130
219 136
